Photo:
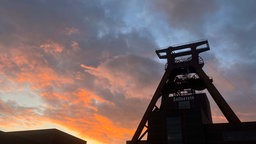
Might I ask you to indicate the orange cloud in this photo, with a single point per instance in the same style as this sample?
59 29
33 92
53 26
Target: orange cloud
82 97
71 31
119 75
75 45
52 47
217 115
42 77
88 97
32 68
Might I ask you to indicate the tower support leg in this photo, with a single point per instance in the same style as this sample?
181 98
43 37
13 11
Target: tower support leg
220 101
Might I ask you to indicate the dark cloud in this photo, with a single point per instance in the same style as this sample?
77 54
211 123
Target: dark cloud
187 15
236 31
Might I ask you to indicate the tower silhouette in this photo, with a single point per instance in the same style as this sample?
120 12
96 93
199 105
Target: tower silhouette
184 115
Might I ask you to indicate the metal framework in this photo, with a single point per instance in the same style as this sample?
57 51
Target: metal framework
183 59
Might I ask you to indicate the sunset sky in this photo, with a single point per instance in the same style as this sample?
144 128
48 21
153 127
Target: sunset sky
89 68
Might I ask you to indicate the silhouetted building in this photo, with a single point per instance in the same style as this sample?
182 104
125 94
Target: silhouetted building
180 119
46 136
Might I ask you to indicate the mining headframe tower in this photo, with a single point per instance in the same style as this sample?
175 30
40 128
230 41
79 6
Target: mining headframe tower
184 115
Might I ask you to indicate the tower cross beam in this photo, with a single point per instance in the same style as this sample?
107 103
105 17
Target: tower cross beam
183 50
